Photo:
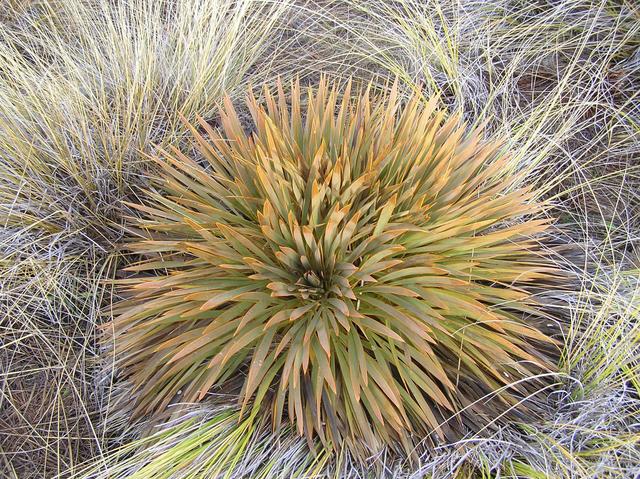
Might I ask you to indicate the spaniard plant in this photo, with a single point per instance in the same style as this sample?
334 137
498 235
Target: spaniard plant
358 266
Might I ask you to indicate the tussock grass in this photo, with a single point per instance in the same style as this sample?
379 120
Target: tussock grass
85 84
212 443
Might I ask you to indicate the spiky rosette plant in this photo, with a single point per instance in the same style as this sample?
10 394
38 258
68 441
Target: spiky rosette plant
357 266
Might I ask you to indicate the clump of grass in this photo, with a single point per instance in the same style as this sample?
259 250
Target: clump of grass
84 86
215 443
361 258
